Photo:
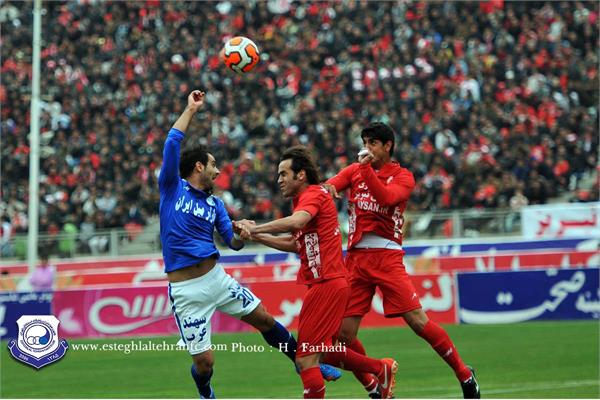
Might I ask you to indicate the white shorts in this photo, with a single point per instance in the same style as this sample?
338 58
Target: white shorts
194 302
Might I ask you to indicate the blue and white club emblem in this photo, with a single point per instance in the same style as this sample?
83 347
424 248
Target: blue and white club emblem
37 343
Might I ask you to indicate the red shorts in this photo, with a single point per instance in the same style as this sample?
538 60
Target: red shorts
321 316
372 268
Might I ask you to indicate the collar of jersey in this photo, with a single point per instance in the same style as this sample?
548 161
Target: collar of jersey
387 170
193 190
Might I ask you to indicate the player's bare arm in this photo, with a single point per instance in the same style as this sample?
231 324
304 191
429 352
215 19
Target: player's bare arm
195 102
292 223
283 243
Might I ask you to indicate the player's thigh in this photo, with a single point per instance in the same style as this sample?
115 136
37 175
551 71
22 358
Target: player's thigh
321 316
398 292
193 309
362 288
233 298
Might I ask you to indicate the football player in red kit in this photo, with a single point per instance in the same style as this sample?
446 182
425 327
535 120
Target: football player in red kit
316 236
379 191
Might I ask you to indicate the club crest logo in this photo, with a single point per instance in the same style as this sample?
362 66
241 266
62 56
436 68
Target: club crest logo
37 343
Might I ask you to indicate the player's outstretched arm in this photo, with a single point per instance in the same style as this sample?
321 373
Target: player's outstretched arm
169 171
195 102
282 243
292 223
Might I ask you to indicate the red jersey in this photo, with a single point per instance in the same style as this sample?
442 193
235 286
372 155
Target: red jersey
377 199
320 241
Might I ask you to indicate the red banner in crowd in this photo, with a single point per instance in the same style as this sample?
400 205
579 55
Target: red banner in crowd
505 262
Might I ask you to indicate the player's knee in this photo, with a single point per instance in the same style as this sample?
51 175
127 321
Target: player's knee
346 337
416 319
204 363
348 331
307 362
267 321
260 319
263 321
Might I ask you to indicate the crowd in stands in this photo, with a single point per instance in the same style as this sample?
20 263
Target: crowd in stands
494 103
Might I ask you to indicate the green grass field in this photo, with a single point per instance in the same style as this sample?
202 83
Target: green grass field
529 360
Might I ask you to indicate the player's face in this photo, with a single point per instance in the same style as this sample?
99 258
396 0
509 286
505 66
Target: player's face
380 150
289 183
209 173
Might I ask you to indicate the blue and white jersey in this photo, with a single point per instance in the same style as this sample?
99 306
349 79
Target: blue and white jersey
188 216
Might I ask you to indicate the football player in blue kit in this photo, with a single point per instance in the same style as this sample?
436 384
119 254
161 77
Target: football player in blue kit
198 285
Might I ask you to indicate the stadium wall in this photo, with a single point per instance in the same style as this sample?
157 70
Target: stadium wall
490 282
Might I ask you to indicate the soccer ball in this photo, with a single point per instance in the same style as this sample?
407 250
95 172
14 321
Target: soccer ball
240 54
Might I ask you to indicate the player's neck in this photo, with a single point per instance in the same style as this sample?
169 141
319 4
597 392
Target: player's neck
301 189
196 183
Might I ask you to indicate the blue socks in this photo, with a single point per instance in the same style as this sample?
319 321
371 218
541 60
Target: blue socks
202 383
281 339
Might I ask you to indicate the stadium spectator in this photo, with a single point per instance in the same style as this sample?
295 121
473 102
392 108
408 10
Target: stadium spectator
379 191
314 233
42 278
469 83
7 282
516 202
6 231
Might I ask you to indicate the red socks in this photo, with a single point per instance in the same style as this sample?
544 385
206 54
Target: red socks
314 385
366 379
352 361
442 344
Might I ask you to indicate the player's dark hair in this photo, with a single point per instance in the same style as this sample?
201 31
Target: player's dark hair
188 160
379 131
302 160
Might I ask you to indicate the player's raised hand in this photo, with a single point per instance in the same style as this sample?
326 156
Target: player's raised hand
196 99
332 190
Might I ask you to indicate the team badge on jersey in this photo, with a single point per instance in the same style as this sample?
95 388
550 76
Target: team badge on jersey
37 343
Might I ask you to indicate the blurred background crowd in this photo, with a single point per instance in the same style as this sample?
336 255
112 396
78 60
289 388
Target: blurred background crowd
495 104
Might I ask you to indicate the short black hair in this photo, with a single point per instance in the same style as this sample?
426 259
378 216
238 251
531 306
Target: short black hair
379 131
189 158
302 160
